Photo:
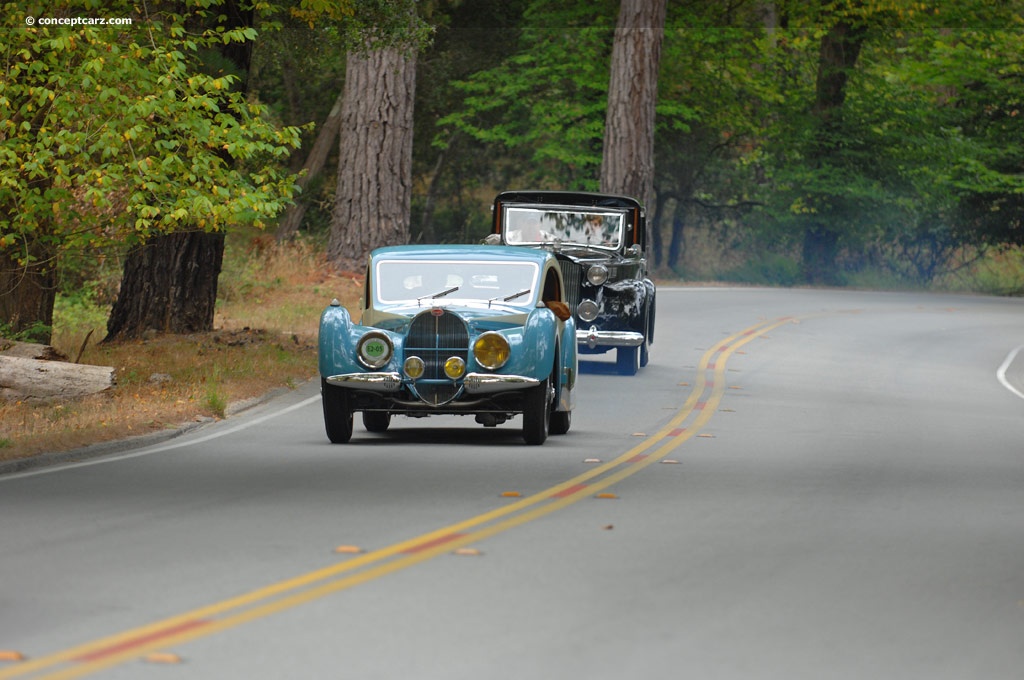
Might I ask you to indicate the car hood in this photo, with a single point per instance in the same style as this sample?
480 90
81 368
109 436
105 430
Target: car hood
479 318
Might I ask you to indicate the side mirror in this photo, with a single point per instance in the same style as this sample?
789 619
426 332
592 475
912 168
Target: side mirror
492 240
634 251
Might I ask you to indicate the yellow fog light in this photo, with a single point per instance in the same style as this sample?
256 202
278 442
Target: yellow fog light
414 367
454 367
491 350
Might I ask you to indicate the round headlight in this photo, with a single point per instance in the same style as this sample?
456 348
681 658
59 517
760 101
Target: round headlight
454 367
374 349
587 310
597 274
414 367
491 350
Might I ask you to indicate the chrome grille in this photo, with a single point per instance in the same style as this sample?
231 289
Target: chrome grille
572 275
434 338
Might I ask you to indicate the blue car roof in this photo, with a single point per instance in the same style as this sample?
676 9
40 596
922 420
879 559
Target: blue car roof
460 252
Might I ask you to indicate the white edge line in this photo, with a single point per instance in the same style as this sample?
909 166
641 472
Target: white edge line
159 448
1001 373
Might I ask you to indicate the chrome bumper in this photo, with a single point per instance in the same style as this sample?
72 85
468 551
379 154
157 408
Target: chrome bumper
592 338
486 383
373 382
474 383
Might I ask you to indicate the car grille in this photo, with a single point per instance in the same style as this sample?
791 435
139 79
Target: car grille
572 275
435 337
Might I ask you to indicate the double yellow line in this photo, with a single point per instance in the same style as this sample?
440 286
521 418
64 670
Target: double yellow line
136 643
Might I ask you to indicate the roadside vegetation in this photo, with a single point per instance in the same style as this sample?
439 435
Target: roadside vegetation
268 307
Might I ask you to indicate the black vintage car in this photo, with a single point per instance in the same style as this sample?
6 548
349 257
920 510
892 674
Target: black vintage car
600 241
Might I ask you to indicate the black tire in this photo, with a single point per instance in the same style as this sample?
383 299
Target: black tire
537 414
376 421
627 360
560 422
337 413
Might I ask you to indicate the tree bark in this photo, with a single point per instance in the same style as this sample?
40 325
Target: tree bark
627 164
27 292
374 192
318 153
169 285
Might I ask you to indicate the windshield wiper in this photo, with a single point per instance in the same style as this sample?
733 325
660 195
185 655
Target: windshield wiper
509 298
438 295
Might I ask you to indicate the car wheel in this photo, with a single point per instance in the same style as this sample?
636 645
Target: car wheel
537 413
627 360
560 422
337 413
376 421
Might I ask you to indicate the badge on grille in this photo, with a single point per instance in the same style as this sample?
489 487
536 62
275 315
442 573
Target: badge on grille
436 311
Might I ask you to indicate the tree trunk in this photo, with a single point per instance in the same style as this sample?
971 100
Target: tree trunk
627 165
22 378
169 285
27 292
374 191
321 149
840 47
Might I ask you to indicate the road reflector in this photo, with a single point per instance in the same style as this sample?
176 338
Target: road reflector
707 436
11 655
163 657
467 552
605 495
670 461
348 549
591 460
639 434
510 494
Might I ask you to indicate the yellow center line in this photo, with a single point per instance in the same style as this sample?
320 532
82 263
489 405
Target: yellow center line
103 653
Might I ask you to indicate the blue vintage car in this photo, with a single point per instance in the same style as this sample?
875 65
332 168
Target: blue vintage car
459 329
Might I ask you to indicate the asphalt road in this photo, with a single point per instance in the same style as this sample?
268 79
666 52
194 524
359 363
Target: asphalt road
802 484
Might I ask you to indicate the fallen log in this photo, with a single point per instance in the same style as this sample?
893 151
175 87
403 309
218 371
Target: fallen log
23 378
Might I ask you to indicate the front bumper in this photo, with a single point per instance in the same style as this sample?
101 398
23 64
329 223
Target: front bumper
592 338
474 383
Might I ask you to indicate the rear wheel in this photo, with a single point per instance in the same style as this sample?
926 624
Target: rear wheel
537 413
337 413
376 421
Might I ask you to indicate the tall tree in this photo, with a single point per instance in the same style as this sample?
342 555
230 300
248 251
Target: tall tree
109 135
374 189
169 282
627 165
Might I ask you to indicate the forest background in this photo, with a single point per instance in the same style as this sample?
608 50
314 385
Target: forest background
869 143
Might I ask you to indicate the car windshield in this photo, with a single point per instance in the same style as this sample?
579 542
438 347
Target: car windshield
548 225
429 282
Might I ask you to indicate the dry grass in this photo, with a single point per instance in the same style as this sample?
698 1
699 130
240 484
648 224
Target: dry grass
270 300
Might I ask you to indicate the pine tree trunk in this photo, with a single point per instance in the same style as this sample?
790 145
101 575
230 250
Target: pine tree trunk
374 191
627 165
27 292
169 285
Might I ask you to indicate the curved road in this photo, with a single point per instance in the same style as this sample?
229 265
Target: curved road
802 484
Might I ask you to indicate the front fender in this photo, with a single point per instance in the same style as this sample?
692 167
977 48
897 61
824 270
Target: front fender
533 354
335 341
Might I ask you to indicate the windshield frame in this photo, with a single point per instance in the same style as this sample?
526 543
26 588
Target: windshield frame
484 292
611 223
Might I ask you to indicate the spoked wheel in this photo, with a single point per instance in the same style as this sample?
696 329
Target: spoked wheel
337 413
537 413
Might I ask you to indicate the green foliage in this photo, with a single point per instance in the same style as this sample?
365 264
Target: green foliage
112 134
546 103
